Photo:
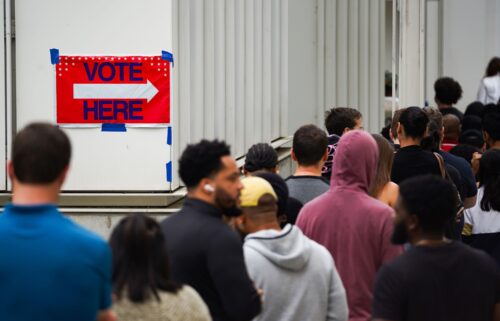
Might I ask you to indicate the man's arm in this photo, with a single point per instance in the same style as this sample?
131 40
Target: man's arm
226 265
337 300
470 201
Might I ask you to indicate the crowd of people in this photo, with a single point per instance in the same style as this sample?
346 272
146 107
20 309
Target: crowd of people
393 227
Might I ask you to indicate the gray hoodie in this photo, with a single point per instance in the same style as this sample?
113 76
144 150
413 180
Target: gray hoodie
298 276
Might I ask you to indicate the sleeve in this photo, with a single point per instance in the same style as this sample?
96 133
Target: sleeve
337 299
226 266
105 295
469 181
388 251
388 296
481 93
302 220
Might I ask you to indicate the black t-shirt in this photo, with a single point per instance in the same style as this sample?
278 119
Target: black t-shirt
449 282
453 111
412 161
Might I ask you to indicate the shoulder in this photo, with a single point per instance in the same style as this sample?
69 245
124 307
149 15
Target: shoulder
84 236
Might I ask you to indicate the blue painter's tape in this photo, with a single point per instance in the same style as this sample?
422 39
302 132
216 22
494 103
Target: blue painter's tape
54 56
169 135
113 127
169 172
165 55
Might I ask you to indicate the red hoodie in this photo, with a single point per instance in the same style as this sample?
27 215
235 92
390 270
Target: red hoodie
353 226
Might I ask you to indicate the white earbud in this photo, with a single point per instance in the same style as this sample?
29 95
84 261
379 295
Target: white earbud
209 188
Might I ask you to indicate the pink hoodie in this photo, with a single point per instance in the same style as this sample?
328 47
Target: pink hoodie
353 226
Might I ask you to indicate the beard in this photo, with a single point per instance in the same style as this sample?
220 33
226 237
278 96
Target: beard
227 204
399 234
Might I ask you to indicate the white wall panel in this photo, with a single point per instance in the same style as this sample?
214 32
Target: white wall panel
350 58
230 65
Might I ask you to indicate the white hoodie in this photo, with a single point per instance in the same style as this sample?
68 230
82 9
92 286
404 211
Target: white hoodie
298 277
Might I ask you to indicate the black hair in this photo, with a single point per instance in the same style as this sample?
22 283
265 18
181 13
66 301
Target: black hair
260 156
489 179
432 199
471 137
309 145
140 261
433 139
493 67
448 91
40 153
337 119
465 151
491 121
471 122
202 160
474 109
414 122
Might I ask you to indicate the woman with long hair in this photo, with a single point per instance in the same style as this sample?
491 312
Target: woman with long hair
142 285
482 222
382 188
489 89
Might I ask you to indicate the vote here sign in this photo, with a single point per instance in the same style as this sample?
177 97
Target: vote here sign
112 89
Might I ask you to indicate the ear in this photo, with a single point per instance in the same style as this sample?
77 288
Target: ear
63 175
292 153
325 155
346 130
10 170
486 136
413 223
399 129
275 170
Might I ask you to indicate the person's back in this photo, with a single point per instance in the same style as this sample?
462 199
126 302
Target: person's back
142 284
309 150
297 275
436 279
205 253
489 89
50 268
411 160
449 282
353 226
482 221
338 121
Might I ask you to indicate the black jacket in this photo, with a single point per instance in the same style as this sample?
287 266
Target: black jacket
207 254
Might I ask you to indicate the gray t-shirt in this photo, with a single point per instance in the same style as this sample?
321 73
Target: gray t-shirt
305 188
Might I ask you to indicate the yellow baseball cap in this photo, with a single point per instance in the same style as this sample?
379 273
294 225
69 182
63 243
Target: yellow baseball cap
253 189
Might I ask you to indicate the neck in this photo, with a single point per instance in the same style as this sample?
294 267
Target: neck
429 240
314 170
274 225
444 106
408 141
35 194
198 195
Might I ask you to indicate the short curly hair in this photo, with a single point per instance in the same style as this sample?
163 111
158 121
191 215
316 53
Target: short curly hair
337 119
448 90
202 160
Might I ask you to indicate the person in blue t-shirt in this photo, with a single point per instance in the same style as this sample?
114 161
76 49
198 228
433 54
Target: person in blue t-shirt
50 268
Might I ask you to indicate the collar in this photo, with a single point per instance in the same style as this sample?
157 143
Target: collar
410 148
31 210
201 206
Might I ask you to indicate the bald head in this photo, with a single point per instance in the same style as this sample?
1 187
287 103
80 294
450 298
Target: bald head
451 125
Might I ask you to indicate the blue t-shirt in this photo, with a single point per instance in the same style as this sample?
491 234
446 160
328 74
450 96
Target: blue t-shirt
50 268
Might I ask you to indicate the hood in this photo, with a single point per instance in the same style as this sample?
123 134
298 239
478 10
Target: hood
355 161
288 248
